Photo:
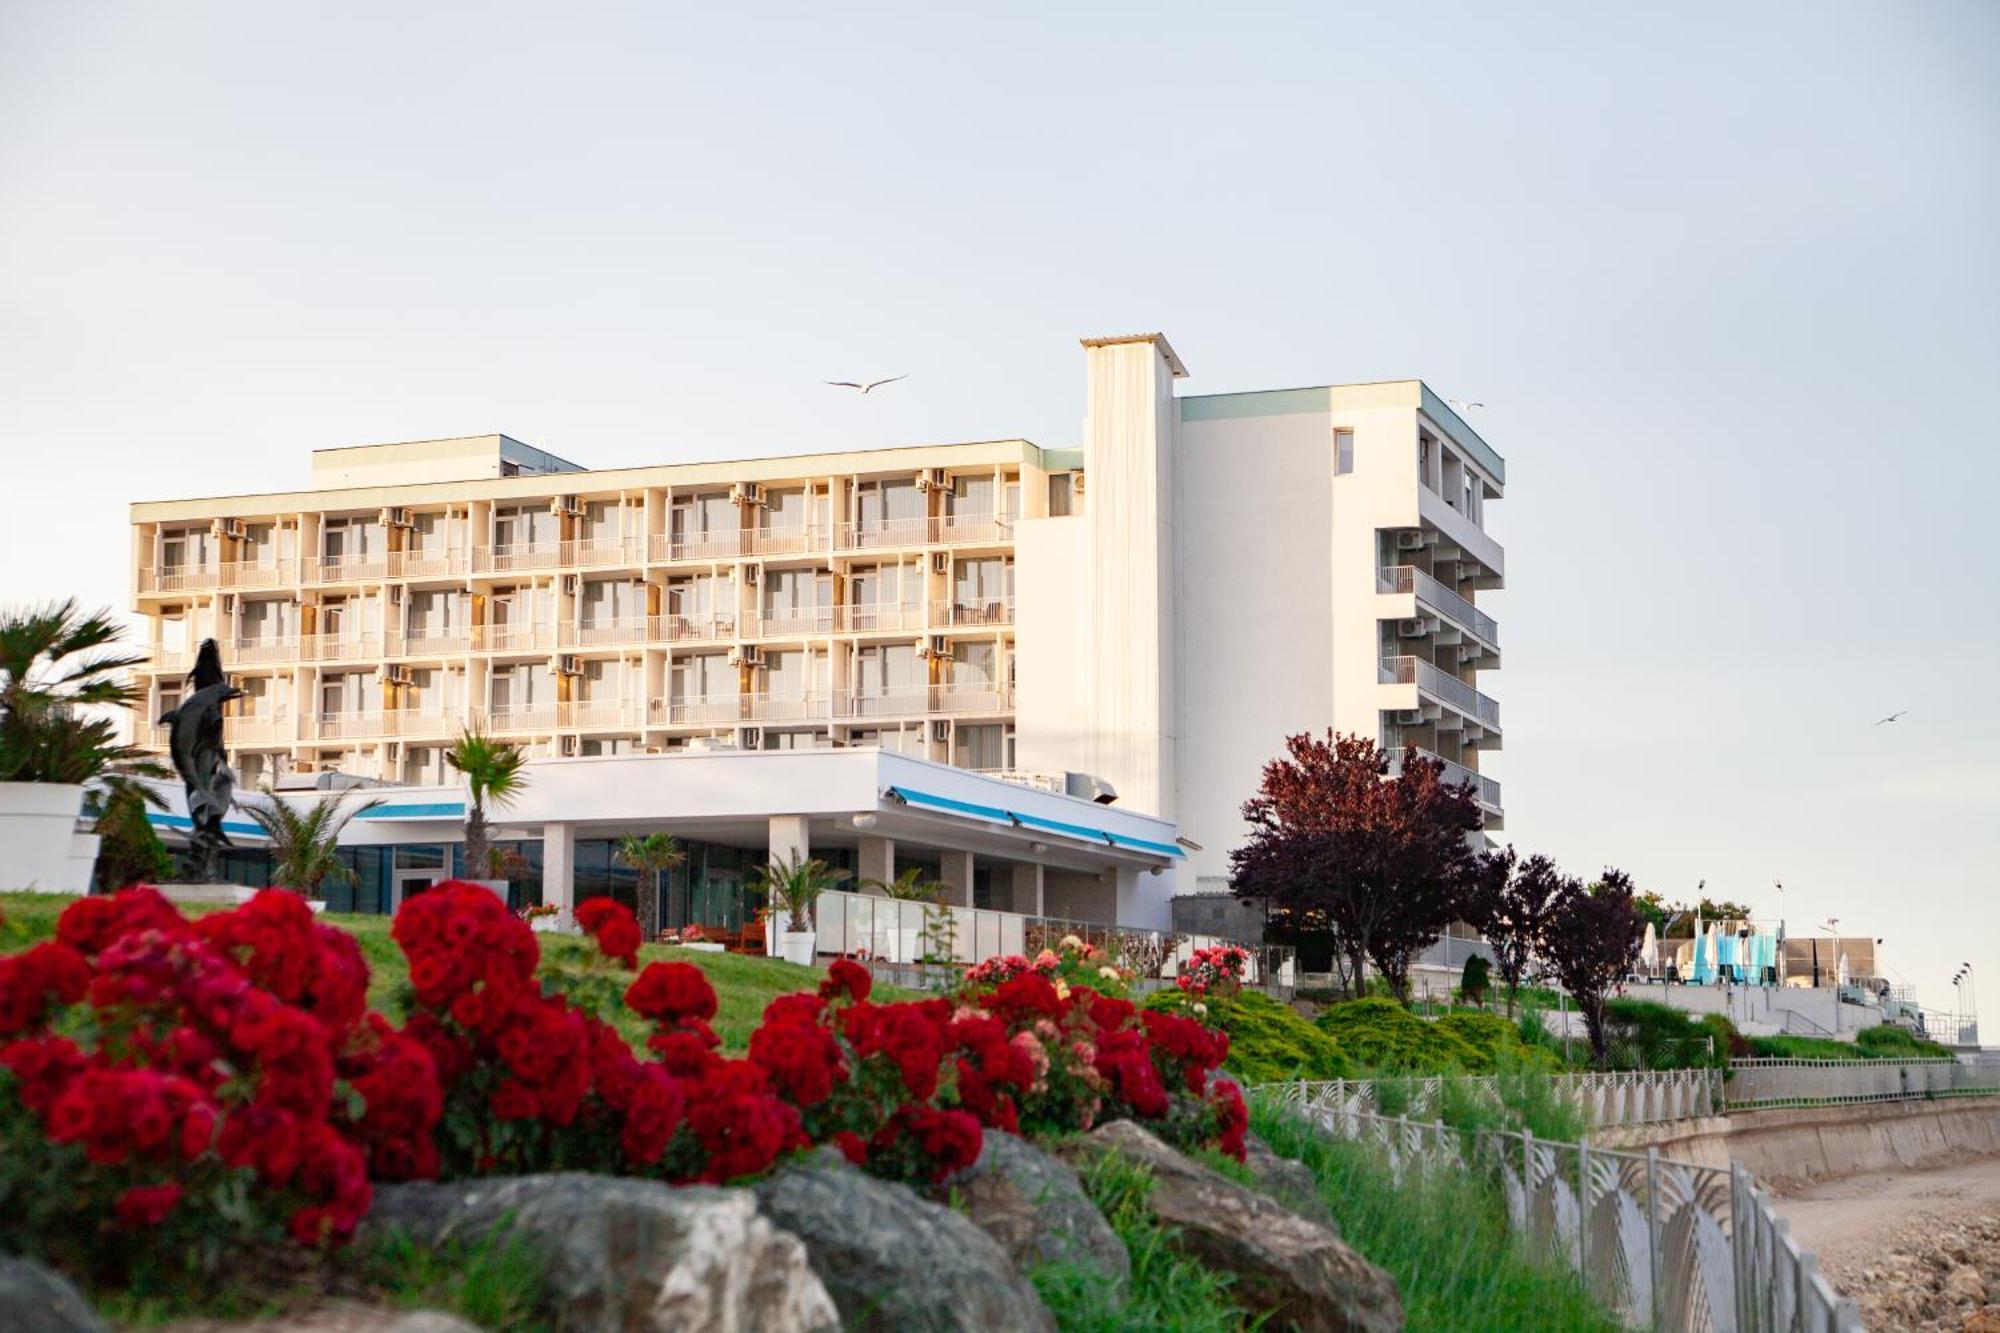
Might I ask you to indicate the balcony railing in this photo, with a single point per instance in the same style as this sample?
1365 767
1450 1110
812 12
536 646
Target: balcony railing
884 701
974 697
433 564
678 629
882 532
260 729
1445 688
879 617
602 551
517 555
522 717
600 714
956 529
426 723
693 710
791 621
717 545
342 647
787 707
273 573
264 648
348 726
986 611
432 643
622 629
359 568
1410 579
179 578
1457 775
787 541
517 638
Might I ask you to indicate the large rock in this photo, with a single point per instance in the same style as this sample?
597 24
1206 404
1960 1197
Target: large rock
1035 1207
626 1255
34 1300
1304 1275
894 1261
334 1317
1290 1183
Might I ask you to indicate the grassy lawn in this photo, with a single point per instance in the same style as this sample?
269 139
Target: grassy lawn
743 984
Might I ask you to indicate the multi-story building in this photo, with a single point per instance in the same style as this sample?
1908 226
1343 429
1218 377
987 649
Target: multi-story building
1146 615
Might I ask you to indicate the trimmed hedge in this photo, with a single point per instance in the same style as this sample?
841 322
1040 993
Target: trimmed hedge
1268 1041
1645 1035
1498 1042
1381 1035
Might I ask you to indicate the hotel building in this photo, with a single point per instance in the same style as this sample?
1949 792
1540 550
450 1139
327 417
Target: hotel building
1143 616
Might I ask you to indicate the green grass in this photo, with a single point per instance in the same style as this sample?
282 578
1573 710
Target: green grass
1268 1042
1877 1043
1168 1293
1441 1233
743 984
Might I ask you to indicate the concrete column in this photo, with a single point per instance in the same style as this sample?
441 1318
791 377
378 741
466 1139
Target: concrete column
788 838
876 860
559 865
1025 894
956 871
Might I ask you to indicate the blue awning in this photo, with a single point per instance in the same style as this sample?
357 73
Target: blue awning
1017 819
181 823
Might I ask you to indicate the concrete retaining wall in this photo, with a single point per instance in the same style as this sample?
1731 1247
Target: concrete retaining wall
1795 1144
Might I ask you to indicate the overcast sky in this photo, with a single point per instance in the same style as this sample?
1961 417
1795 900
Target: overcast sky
1725 276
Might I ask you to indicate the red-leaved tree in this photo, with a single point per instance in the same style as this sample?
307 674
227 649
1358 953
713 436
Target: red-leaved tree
1384 861
1591 940
1510 904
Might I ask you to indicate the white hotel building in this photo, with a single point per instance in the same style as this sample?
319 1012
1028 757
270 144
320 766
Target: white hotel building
971 640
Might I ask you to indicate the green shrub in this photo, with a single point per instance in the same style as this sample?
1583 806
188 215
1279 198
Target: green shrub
1893 1043
1878 1043
1381 1035
1268 1041
1498 1042
1645 1035
1473 981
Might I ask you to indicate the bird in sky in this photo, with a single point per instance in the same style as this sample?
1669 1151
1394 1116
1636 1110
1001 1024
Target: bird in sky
871 384
1892 717
1461 404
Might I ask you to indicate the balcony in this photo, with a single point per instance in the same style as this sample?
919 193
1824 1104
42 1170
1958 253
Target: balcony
365 567
879 618
696 710
518 555
891 701
432 643
434 564
264 648
179 578
521 717
876 533
524 638
971 529
260 729
964 614
353 725
787 541
1443 601
787 707
421 724
602 551
790 622
717 545
974 697
601 633
1445 689
259 573
1485 789
342 647
601 714
692 629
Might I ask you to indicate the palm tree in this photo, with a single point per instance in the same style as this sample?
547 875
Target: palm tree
493 772
56 664
305 843
910 886
794 885
651 854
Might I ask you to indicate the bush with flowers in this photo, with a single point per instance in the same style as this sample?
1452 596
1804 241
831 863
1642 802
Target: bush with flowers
1072 962
185 1086
1217 969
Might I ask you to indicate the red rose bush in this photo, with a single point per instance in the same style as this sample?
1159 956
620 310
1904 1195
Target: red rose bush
185 1081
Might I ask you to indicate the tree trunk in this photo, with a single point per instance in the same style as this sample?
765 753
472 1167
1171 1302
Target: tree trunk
1355 956
475 842
1593 1024
649 905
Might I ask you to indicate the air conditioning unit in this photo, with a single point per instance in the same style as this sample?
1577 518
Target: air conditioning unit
1412 540
567 746
399 518
567 504
229 527
935 646
1412 629
395 594
747 657
933 479
941 732
750 573
228 603
395 675
753 738
567 665
1409 717
941 561
392 752
746 493
569 585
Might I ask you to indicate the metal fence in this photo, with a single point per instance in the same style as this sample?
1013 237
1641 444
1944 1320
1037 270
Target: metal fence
1606 1099
1669 1247
1836 1082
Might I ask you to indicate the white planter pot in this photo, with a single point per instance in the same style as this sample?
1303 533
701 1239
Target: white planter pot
797 946
38 838
701 946
543 925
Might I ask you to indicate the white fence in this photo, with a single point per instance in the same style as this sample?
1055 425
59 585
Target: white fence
1833 1082
1605 1099
899 930
1668 1246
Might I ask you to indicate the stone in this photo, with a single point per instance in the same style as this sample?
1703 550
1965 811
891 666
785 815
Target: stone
1300 1273
1035 1206
894 1261
35 1300
624 1255
1290 1183
1983 1320
335 1317
1965 1285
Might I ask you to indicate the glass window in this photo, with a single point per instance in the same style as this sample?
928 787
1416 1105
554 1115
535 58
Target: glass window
972 497
600 521
785 510
524 527
974 664
612 601
983 583
989 746
1343 451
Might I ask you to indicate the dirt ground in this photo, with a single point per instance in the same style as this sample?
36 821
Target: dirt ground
1917 1250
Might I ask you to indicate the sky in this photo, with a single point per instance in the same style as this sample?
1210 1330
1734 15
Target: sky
1724 276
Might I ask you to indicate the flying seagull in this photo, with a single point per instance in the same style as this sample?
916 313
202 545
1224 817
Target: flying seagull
1461 404
872 384
1892 717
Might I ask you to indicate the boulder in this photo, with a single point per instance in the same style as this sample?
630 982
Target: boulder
1965 1285
894 1261
1035 1207
624 1255
1290 1183
334 1317
35 1300
1298 1271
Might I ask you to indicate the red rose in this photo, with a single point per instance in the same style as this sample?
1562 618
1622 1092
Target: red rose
846 977
146 1205
672 992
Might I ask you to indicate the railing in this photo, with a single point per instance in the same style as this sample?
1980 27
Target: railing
900 930
973 698
269 648
516 555
179 578
273 573
341 647
517 638
595 714
953 529
721 544
538 717
1636 1097
1668 1246
426 723
1458 775
787 541
878 618
620 629
442 563
602 551
260 729
881 532
991 611
445 643
346 726
890 701
1450 689
791 621
679 629
1410 579
786 707
349 568
695 710
1840 1082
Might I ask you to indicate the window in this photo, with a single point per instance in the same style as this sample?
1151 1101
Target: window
256 700
260 545
703 676
423 765
1424 461
267 620
989 746
607 602
186 548
880 506
602 682
797 740
972 499
524 527
522 687
600 522
983 586
785 510
429 536
598 746
343 693
1343 452
700 519
974 666
885 668
1061 488
351 541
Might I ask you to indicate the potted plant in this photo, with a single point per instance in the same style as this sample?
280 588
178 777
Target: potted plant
794 886
305 842
493 772
652 855
57 665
